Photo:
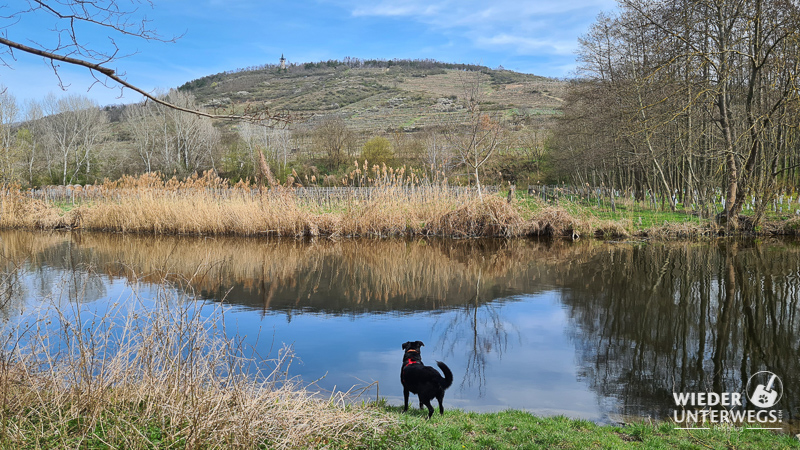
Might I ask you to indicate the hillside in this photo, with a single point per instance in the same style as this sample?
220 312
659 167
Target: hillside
410 111
379 95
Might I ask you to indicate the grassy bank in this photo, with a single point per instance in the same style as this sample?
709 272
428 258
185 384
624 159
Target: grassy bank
359 426
397 204
518 429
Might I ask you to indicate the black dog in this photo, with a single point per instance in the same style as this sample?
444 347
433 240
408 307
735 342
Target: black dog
423 380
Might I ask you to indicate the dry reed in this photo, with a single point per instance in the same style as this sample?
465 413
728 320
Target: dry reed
159 375
399 204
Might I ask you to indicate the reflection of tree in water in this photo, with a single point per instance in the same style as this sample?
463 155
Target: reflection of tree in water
345 277
478 329
12 289
647 319
653 319
49 266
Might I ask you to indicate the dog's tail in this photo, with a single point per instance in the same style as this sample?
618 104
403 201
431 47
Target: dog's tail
448 376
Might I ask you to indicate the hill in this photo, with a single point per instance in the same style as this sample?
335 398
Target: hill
411 112
378 95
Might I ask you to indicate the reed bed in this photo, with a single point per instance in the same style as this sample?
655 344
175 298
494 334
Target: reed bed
397 204
160 375
368 202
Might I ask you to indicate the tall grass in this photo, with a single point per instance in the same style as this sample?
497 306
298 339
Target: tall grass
399 204
377 201
160 373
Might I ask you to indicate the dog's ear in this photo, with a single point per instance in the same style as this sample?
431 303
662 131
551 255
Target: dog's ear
405 346
420 343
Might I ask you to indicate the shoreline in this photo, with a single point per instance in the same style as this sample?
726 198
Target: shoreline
391 211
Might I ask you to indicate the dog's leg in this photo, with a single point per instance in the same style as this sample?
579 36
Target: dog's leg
430 408
440 398
405 398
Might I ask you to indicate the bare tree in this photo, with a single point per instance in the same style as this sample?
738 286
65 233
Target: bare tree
30 139
437 158
276 142
693 100
281 143
168 139
251 136
476 140
73 128
9 112
143 123
194 137
334 138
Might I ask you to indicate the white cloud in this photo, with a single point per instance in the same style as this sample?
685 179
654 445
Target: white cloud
525 28
450 11
526 45
410 9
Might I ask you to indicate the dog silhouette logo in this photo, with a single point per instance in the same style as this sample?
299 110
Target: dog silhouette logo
764 389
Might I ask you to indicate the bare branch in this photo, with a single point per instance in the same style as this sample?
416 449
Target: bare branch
255 116
55 57
70 49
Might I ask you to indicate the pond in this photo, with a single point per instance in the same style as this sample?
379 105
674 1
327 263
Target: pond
589 329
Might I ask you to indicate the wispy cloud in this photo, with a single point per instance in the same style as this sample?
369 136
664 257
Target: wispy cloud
525 45
525 28
409 9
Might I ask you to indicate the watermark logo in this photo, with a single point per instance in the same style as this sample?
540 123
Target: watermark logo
764 389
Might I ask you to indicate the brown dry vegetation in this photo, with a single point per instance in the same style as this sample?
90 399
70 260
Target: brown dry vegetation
396 203
208 205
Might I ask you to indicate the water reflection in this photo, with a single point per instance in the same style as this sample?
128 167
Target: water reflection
46 266
510 317
12 295
353 277
346 277
653 319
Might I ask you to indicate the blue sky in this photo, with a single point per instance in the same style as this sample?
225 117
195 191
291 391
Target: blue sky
538 37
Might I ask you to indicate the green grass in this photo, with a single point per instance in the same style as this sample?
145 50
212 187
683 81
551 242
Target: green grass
521 430
643 219
411 121
65 206
633 217
643 216
512 429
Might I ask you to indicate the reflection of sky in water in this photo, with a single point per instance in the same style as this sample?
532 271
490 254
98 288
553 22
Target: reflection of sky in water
536 371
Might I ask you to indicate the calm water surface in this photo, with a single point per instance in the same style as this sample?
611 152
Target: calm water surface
587 329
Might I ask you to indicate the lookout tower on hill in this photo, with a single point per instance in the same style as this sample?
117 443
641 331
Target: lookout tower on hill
283 62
